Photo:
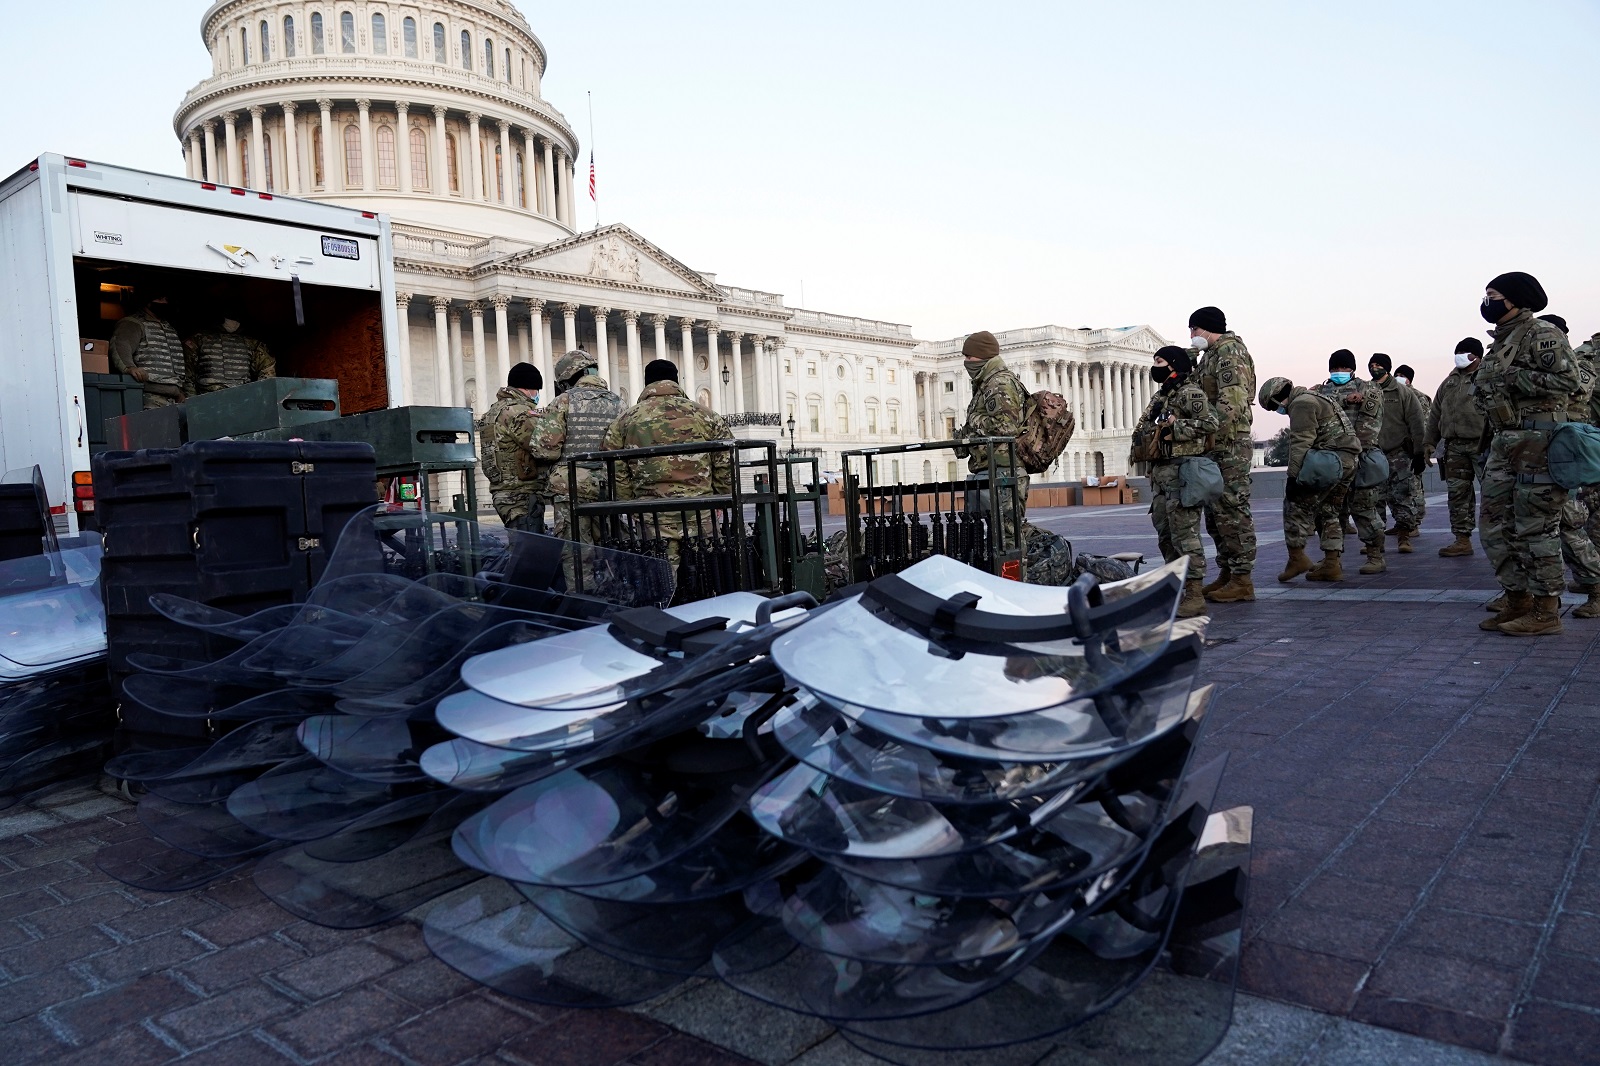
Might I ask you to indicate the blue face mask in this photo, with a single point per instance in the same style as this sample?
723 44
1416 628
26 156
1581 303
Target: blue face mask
1340 377
1282 410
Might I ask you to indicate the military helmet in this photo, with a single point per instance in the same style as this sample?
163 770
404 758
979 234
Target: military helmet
574 363
1273 392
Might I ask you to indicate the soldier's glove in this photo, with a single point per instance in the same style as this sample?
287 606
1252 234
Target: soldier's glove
1419 462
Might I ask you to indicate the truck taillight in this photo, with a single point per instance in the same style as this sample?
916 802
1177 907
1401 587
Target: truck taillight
368 214
237 192
80 164
264 195
83 490
208 186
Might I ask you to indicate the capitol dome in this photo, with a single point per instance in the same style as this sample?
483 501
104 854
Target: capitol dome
427 111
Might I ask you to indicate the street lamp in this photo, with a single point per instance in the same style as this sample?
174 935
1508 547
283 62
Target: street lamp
725 376
790 424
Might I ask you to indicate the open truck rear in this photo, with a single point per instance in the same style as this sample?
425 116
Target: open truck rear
83 244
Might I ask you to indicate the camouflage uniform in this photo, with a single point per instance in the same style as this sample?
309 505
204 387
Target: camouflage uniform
1577 549
518 483
1186 421
576 423
1362 402
1317 422
1419 498
1589 496
1228 376
1522 387
996 410
152 345
664 415
223 360
1401 438
1456 420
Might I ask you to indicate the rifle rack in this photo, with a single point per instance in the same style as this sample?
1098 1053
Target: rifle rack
883 539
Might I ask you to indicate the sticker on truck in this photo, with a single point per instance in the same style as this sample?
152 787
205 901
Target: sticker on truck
102 237
340 247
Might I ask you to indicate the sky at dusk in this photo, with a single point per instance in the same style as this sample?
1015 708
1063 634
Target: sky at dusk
1331 175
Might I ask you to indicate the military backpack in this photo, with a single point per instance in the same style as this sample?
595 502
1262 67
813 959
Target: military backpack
1574 455
1047 425
488 457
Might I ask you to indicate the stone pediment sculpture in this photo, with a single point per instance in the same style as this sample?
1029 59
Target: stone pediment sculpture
616 255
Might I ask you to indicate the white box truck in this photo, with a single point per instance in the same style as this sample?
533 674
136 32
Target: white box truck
82 244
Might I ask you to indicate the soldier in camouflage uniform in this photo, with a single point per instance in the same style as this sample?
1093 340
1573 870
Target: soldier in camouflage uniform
1454 419
1228 376
1315 422
1178 424
1401 440
1419 498
1588 355
996 410
518 482
1362 402
225 359
146 348
1577 550
664 415
1523 387
576 423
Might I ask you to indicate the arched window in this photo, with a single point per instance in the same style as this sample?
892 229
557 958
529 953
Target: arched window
316 33
466 50
347 32
452 162
408 32
288 36
352 156
499 175
380 35
387 178
266 160
508 65
316 157
266 42
488 57
419 159
244 160
244 46
522 200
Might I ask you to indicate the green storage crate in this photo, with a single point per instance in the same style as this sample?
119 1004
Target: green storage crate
272 403
432 437
107 396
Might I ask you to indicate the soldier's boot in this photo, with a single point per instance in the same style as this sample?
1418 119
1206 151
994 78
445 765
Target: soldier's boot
1330 569
1299 563
1517 605
1392 531
1591 607
1543 619
1193 604
1405 543
1374 563
1462 545
1349 528
1239 589
1223 577
1577 586
1497 604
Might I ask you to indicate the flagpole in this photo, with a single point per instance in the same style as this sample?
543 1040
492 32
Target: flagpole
593 190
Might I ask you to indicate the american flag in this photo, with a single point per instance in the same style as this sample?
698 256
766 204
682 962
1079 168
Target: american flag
591 176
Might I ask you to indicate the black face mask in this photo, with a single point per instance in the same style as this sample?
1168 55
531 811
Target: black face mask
1493 310
1159 374
1377 373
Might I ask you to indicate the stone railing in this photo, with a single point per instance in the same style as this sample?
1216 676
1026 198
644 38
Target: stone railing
754 418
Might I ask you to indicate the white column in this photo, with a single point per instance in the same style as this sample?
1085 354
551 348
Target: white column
1124 394
525 343
332 176
541 343
548 178
458 361
1094 397
530 174
507 171
210 171
232 138
547 346
402 302
569 213
480 362
759 370
635 357
369 155
441 352
191 155
686 361
402 145
660 323
440 185
291 149
258 170
735 358
719 403
1114 396
602 344
569 312
502 340
471 184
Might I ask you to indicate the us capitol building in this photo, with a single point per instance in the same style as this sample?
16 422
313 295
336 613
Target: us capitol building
433 113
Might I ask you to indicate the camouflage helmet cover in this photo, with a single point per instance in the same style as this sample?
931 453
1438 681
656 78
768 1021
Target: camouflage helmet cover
1273 390
574 363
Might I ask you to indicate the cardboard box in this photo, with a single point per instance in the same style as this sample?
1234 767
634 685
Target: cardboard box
96 355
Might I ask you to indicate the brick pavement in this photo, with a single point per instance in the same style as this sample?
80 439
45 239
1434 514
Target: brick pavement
1426 861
